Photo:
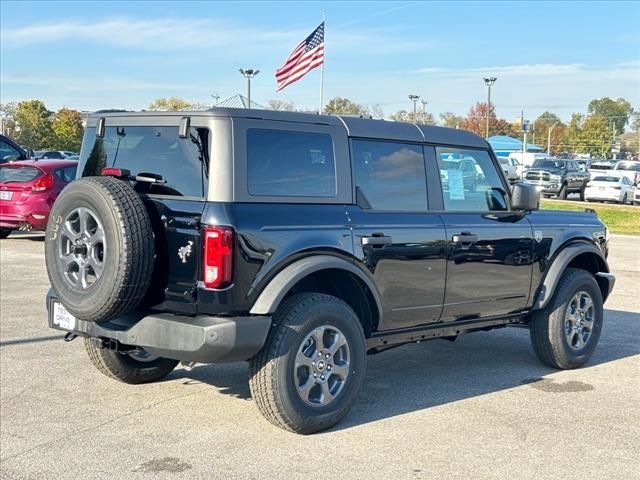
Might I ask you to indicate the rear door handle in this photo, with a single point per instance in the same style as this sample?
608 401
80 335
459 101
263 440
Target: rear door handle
376 239
464 237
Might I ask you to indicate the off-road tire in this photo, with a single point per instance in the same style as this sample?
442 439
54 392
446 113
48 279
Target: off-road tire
547 325
129 257
582 189
125 368
272 381
562 194
4 233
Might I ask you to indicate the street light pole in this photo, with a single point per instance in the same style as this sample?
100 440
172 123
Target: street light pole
216 97
414 99
549 137
248 73
488 81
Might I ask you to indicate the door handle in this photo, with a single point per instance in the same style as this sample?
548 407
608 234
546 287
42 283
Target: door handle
464 237
376 239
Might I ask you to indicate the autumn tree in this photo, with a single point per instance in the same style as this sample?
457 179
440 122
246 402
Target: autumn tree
172 104
616 112
33 126
476 121
281 105
596 136
547 123
67 128
450 120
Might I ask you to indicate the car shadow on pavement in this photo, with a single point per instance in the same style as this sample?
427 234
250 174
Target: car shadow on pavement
418 376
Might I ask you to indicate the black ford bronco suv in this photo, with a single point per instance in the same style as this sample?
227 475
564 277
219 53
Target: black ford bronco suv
302 243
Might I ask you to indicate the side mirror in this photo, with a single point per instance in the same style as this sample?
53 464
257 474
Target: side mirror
525 197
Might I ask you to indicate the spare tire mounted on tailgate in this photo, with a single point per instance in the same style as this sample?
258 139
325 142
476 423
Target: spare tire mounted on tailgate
99 248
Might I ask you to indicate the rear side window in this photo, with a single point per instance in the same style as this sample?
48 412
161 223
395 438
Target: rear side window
284 163
19 174
181 162
66 174
390 175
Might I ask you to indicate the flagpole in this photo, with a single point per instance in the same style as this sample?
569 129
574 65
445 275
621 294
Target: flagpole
320 106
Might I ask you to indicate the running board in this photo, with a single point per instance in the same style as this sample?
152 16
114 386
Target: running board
382 340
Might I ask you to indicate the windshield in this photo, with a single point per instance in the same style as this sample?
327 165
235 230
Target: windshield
556 164
629 166
11 174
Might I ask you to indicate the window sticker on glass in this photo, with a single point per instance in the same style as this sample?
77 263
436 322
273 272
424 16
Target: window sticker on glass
456 185
317 157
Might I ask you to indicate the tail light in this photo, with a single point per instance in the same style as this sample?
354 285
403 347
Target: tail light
43 183
217 268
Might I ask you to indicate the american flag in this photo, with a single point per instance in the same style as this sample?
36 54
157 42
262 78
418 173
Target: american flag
308 55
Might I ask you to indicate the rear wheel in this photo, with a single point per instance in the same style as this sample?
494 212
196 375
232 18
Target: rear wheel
135 367
307 375
582 189
566 332
4 232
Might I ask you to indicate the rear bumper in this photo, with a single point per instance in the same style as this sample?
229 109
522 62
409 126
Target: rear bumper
17 221
200 339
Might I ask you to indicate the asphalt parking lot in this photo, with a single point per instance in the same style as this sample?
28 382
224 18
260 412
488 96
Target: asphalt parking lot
482 407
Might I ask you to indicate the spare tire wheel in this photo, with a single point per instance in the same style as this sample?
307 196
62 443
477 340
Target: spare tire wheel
99 248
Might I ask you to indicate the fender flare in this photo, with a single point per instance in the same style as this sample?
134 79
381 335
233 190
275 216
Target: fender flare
271 296
559 264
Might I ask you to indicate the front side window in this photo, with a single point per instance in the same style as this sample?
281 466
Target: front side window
470 181
282 163
390 175
180 163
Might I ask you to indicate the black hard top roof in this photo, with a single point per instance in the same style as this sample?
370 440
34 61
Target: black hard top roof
355 126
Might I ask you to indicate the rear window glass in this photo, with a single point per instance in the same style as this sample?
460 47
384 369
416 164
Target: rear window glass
607 179
18 174
290 164
181 162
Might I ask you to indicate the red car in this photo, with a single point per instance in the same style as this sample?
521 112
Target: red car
27 191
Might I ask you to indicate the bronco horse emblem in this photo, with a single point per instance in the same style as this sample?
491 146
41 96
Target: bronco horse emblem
185 252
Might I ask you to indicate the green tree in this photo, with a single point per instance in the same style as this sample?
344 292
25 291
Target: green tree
424 118
571 138
33 126
596 136
448 119
344 106
172 104
613 111
67 127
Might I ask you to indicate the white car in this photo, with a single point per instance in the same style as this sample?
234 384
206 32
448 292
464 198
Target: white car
609 188
636 196
510 170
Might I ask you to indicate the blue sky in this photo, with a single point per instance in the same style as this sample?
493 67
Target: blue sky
547 55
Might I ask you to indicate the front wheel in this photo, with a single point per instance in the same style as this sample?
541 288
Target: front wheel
306 377
4 232
565 333
135 367
562 194
624 199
